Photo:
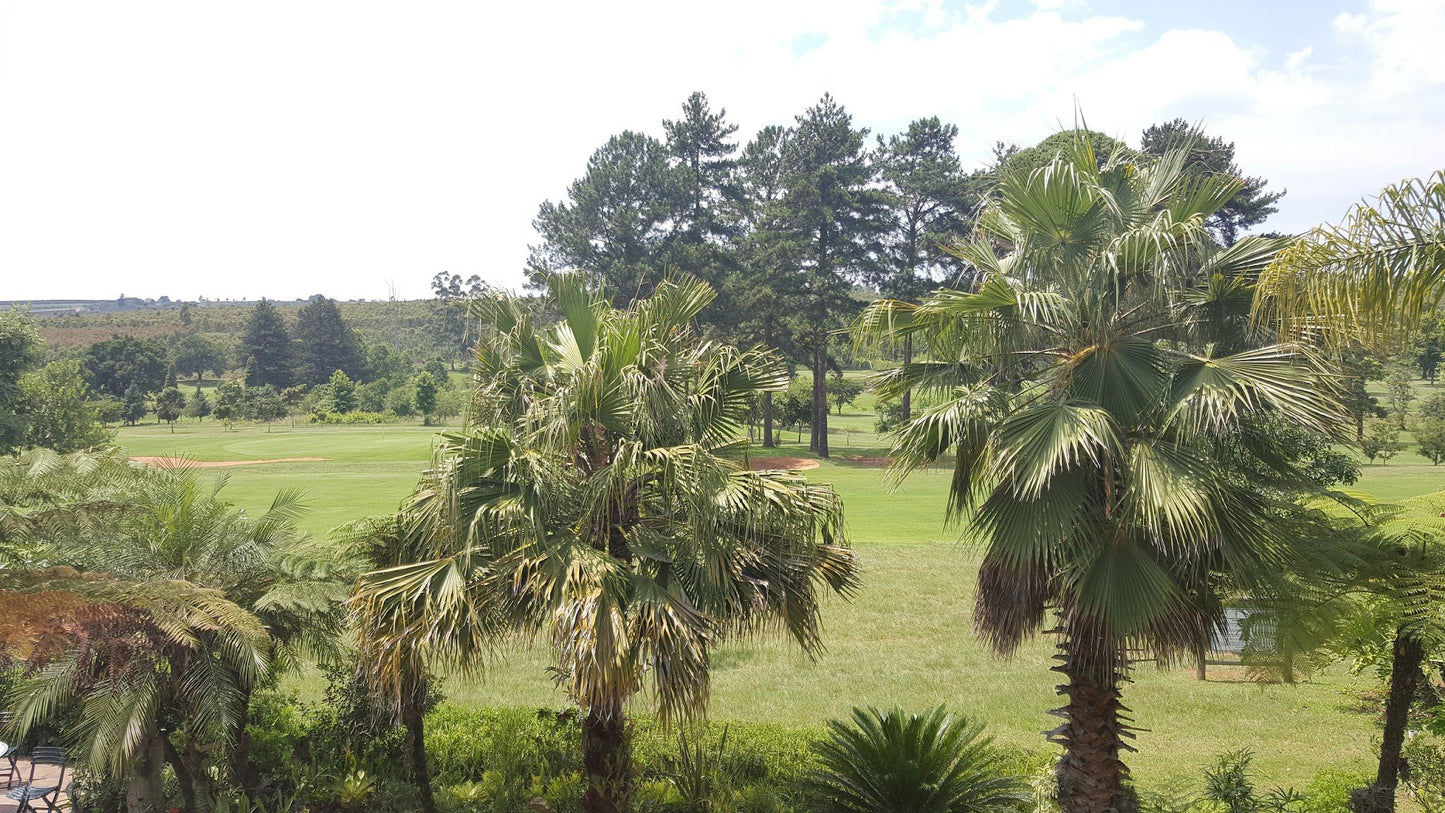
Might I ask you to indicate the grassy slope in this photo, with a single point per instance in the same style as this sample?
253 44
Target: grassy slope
904 639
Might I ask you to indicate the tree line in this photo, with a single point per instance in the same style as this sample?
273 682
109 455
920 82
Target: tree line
799 227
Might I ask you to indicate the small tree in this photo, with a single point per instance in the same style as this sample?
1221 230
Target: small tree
264 404
199 406
169 405
1397 382
229 397
1382 440
1433 407
1430 436
342 392
426 397
108 410
843 391
133 406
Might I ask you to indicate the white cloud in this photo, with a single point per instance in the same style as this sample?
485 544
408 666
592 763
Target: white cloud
284 149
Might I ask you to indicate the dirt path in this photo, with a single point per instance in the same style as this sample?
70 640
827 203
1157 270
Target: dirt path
179 462
789 463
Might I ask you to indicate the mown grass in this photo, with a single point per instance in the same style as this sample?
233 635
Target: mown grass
905 638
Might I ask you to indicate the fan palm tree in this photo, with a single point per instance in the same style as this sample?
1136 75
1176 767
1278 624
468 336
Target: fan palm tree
1084 415
1377 271
600 495
106 533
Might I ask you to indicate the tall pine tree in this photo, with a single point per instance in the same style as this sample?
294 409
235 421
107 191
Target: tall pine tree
266 347
325 344
835 215
1212 155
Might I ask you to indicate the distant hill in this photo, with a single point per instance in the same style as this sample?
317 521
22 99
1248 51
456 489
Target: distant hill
69 326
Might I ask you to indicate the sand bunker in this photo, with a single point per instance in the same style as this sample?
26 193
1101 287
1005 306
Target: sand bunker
789 463
181 462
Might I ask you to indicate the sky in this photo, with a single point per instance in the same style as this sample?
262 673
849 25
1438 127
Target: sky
283 149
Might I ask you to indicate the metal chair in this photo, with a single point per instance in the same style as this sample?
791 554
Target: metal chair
9 769
45 794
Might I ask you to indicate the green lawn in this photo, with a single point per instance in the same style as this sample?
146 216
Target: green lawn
905 638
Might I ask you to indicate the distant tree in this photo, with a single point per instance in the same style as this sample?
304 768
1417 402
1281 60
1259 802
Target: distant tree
931 203
266 347
426 396
198 406
702 157
450 295
116 364
1382 440
20 348
59 416
195 354
401 401
1397 385
758 303
1429 347
341 393
1430 437
185 314
795 406
438 371
170 405
133 405
324 342
615 222
843 391
1212 155
385 364
108 410
170 381
264 404
1357 370
1021 162
230 396
1433 407
834 214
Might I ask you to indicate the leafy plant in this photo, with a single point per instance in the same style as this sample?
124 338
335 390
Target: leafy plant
896 762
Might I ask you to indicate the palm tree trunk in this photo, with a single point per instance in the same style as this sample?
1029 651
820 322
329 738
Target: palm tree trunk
607 761
1407 655
184 777
239 753
413 717
145 792
1091 776
768 441
907 394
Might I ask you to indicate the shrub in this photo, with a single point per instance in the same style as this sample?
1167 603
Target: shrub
895 762
347 418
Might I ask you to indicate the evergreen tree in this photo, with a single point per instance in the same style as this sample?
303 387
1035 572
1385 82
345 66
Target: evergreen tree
324 342
170 404
170 380
1212 155
133 405
702 155
931 203
266 347
759 302
19 353
198 406
834 214
341 393
614 225
426 396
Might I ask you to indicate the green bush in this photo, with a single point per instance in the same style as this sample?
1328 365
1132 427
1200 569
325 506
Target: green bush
348 418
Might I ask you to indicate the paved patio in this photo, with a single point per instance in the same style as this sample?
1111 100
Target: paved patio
44 775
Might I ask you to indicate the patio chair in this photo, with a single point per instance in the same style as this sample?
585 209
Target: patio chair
9 769
43 795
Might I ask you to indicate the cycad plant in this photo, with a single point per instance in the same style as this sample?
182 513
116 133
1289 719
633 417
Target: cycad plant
896 762
1085 388
600 496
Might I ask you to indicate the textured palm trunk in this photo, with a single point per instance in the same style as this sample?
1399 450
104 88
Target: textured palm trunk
145 792
413 718
768 441
239 753
907 394
1406 657
1091 775
607 761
